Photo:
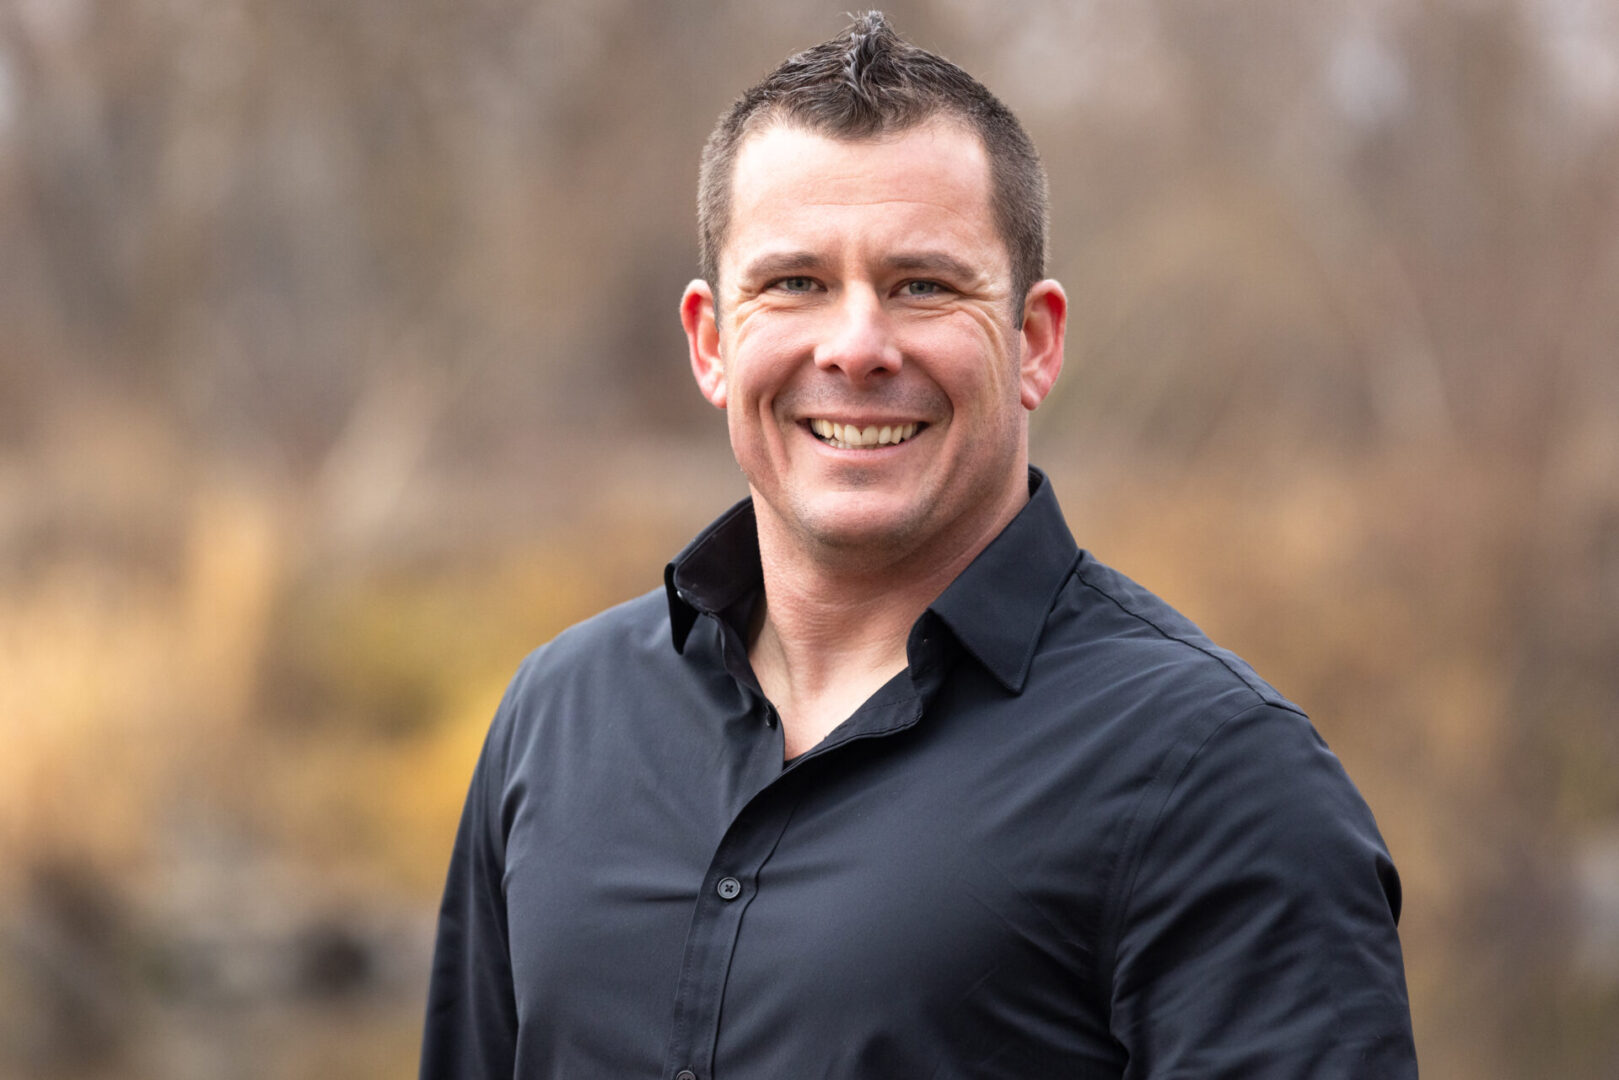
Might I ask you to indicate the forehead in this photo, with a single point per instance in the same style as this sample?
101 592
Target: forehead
928 184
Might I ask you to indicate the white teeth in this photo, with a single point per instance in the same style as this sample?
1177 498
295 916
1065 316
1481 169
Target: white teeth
850 437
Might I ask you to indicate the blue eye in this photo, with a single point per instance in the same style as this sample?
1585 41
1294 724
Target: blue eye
796 284
923 288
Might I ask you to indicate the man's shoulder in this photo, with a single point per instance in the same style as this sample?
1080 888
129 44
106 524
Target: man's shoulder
635 632
1143 633
605 668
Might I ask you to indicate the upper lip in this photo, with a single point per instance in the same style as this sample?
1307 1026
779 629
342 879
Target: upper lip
862 422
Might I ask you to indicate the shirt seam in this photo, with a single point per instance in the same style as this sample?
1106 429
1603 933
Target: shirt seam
1139 837
1266 693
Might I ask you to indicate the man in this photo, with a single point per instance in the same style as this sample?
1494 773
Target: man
891 780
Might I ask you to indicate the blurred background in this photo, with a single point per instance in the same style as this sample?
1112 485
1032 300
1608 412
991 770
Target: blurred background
340 366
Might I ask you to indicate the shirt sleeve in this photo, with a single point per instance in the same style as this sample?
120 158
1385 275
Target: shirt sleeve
1257 934
471 1027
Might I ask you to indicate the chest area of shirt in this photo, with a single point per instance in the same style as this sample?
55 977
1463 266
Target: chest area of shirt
915 880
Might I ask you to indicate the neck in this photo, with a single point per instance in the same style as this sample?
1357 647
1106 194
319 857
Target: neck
820 622
834 625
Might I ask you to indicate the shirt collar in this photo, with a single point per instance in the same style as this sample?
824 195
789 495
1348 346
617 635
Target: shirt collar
715 571
996 608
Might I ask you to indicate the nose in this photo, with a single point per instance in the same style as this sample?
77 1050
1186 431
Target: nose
858 339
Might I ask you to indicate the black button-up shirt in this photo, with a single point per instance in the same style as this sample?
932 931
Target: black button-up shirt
1073 839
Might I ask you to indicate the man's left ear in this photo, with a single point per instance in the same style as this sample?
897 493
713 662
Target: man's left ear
703 338
1045 321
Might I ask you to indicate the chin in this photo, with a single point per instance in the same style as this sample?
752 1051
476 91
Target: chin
851 528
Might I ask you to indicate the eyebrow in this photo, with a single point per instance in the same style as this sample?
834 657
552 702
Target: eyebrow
779 264
934 262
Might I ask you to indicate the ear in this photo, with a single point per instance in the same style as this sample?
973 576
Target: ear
1045 321
703 336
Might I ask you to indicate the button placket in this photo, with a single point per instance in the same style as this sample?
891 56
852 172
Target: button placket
746 846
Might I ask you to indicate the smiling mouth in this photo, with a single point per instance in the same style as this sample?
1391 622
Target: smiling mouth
852 437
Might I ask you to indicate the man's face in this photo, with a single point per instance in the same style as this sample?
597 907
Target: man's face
866 353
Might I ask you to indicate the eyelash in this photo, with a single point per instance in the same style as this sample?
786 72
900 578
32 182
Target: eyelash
934 288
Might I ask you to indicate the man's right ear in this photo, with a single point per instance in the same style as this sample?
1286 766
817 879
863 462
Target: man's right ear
703 335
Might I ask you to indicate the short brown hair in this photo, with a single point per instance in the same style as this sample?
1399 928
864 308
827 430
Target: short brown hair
866 82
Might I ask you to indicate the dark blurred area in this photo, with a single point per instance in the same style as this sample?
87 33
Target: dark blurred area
340 366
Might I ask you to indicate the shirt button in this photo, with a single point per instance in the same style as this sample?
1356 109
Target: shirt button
685 1074
729 888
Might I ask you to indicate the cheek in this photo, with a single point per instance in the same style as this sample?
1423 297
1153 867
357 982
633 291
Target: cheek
760 359
773 333
750 415
968 358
